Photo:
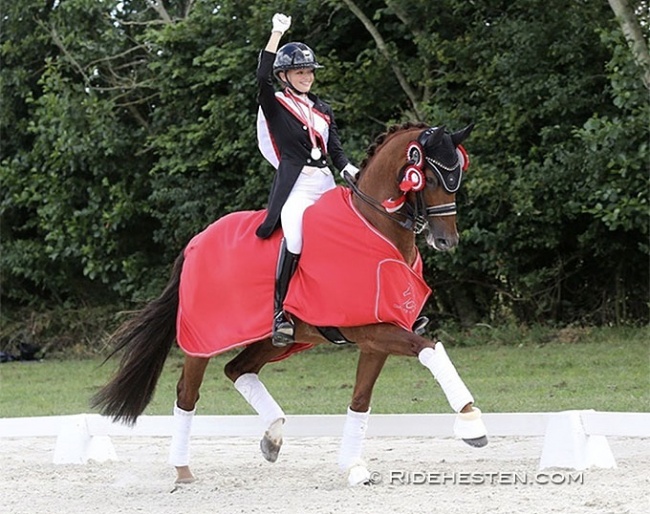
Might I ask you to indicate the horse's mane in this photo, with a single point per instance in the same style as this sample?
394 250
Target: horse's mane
381 138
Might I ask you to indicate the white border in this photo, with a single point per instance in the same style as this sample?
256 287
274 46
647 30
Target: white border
620 424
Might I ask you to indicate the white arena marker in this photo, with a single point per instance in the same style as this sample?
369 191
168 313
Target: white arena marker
100 449
75 445
567 445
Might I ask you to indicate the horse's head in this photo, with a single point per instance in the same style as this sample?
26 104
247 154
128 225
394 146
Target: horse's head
445 161
412 175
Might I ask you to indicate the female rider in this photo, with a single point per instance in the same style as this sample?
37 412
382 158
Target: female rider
296 131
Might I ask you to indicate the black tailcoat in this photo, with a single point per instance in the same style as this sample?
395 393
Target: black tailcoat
291 138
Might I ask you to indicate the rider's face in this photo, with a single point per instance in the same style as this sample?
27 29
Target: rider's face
302 79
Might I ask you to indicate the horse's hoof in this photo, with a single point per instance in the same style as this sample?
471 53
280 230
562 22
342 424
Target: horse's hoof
272 440
270 448
470 428
359 475
477 442
184 475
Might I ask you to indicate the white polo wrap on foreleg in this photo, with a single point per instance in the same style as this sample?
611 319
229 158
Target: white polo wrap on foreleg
258 397
179 449
443 370
354 432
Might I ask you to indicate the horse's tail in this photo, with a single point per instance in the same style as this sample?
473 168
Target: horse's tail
146 340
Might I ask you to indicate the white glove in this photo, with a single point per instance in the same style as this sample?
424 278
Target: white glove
351 169
281 23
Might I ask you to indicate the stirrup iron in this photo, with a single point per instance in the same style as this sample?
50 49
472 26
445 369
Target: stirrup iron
283 331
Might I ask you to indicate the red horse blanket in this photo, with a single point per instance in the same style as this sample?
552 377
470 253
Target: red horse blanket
349 274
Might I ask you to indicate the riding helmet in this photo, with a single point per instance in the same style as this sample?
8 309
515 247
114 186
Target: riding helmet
293 56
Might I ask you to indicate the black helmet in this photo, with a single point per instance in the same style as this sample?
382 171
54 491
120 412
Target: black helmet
293 56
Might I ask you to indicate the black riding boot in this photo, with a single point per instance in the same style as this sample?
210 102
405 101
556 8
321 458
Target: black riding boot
283 329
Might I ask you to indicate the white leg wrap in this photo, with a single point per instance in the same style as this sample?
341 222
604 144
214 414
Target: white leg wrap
438 362
354 432
179 449
258 397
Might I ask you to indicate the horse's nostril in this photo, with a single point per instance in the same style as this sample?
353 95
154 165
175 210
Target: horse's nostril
445 244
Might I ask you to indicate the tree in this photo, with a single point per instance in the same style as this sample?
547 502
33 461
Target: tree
127 126
628 17
531 81
76 190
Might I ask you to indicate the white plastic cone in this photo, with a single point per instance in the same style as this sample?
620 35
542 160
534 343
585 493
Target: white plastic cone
75 445
100 449
72 441
566 445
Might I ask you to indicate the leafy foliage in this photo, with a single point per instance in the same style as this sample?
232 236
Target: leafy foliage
128 126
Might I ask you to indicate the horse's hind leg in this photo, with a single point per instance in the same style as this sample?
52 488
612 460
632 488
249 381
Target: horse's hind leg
243 371
187 395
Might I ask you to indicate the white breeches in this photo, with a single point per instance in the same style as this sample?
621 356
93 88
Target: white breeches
309 187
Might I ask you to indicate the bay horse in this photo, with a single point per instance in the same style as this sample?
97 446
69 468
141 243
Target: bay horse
407 183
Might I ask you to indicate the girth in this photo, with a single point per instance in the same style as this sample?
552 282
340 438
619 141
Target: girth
334 335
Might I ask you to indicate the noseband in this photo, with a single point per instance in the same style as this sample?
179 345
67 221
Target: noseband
413 178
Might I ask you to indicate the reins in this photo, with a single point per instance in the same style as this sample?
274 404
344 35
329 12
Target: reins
413 220
416 213
408 223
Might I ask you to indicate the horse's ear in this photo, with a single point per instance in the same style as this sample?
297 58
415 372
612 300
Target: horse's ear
432 136
460 136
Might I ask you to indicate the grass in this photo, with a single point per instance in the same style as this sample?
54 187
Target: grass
601 369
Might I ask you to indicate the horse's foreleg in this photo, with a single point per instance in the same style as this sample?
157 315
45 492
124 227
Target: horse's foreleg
390 339
469 425
396 341
243 371
187 395
356 422
438 362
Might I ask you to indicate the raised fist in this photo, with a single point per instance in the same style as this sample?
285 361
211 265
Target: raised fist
281 23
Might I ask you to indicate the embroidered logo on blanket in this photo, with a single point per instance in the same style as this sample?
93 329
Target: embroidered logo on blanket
409 304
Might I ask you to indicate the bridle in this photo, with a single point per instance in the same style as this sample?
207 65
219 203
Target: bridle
412 177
